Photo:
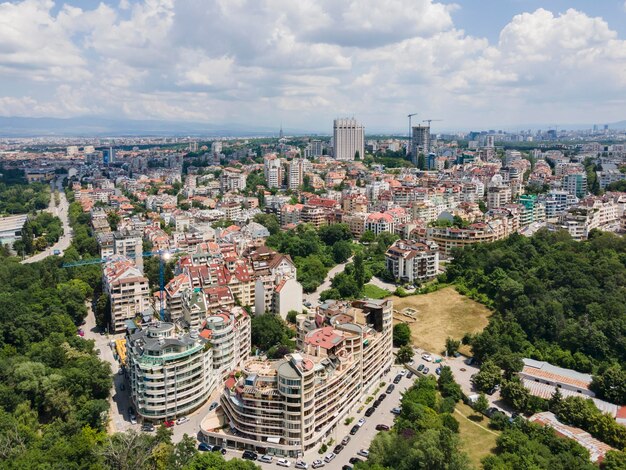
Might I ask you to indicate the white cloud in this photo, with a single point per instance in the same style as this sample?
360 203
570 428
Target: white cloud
305 62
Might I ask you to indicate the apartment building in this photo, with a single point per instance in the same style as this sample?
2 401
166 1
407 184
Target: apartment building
276 288
313 215
290 214
348 139
355 221
229 331
170 374
412 261
129 243
286 407
273 171
232 179
296 169
173 296
448 238
379 222
128 291
498 196
591 213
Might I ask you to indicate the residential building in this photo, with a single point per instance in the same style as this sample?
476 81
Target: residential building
295 172
286 407
273 171
412 261
232 179
129 243
128 291
379 222
170 374
229 332
348 139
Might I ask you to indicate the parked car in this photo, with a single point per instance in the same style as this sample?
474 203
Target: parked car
283 463
409 375
346 467
420 367
147 427
329 457
345 440
491 411
494 389
266 458
396 411
376 403
390 388
402 372
438 370
363 453
204 447
122 387
317 464
182 420
355 429
469 361
370 411
354 460
302 464
168 424
397 379
337 450
213 406
427 357
381 397
382 427
80 332
218 449
249 455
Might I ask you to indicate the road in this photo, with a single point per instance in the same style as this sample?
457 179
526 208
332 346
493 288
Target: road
61 211
314 297
119 400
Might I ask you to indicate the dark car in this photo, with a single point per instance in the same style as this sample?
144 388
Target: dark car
409 375
249 455
381 397
491 411
147 427
376 403
397 379
355 429
390 388
370 411
426 370
204 447
382 427
420 367
338 448
218 449
346 467
354 460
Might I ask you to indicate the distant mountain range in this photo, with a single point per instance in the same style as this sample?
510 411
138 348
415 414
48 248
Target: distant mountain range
107 127
100 127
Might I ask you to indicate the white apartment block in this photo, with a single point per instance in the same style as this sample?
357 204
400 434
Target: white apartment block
229 332
379 222
295 172
287 406
170 374
412 261
348 139
128 291
232 179
273 171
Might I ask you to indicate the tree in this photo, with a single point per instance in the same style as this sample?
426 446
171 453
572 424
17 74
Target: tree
481 404
291 316
404 354
421 161
357 155
611 385
333 233
359 271
614 460
452 346
488 377
401 335
269 330
269 221
114 219
448 386
342 250
367 237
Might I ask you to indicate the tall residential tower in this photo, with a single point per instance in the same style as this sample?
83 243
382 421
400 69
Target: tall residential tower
348 139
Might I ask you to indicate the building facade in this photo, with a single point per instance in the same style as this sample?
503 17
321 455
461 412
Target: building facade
348 139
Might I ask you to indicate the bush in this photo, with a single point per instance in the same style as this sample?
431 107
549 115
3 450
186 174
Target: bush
323 449
348 421
450 422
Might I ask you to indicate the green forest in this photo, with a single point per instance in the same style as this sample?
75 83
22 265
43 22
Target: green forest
18 197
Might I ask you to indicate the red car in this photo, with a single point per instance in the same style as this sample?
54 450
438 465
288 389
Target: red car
80 332
168 424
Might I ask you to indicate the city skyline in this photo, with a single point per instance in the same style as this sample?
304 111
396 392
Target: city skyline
504 65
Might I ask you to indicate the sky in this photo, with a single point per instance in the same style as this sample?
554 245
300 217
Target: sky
473 64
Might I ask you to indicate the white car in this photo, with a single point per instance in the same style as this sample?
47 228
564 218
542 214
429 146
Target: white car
302 464
283 463
133 419
266 458
329 457
402 372
364 453
317 464
182 420
361 422
427 357
396 410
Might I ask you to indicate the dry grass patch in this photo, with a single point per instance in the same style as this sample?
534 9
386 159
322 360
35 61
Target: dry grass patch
477 440
441 314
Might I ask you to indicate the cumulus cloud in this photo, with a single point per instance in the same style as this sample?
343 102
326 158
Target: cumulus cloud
305 62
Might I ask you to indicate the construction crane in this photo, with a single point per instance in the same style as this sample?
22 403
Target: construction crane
408 145
164 256
431 120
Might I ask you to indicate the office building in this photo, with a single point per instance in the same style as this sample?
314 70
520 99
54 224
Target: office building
108 156
348 139
316 148
286 407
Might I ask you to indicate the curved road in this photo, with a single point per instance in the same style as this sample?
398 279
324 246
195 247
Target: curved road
61 211
314 297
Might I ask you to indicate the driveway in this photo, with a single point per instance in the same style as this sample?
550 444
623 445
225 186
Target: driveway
314 297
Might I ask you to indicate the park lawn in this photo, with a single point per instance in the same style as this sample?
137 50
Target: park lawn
477 440
441 314
375 292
